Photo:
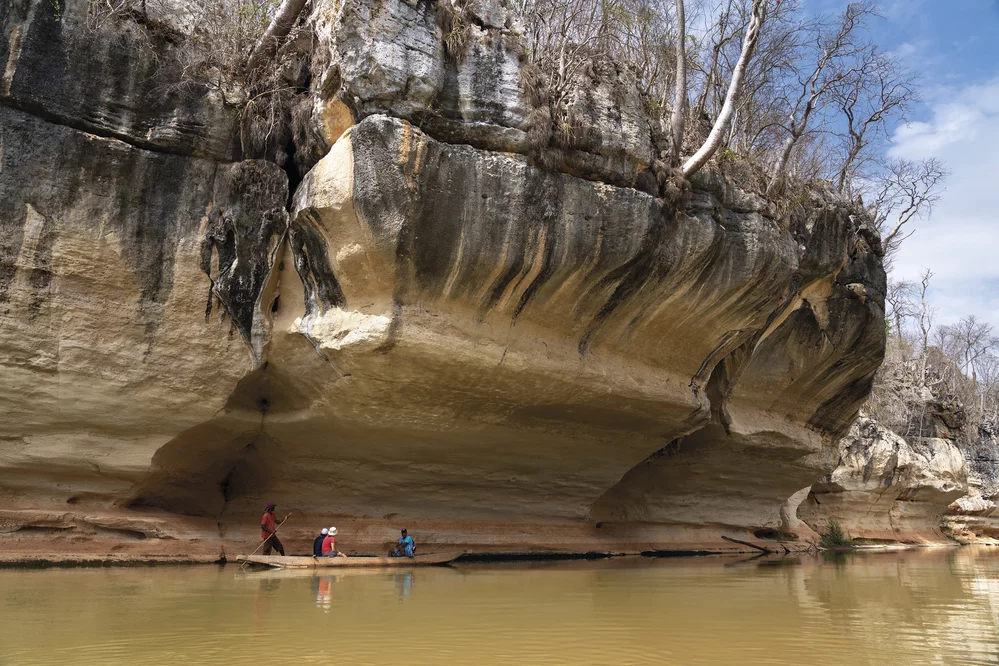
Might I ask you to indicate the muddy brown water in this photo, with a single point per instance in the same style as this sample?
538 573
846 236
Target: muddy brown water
919 607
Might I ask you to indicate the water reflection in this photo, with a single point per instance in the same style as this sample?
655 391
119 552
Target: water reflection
921 607
324 592
403 583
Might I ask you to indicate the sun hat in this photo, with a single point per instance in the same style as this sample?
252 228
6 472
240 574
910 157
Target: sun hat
325 531
271 505
333 531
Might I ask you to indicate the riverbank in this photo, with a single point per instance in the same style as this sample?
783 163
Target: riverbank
41 559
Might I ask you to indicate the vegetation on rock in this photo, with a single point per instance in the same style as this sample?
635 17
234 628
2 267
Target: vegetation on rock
835 536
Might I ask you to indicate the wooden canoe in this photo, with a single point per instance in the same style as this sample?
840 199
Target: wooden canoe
299 562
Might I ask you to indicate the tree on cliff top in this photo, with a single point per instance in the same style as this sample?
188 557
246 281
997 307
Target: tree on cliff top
956 363
796 96
718 131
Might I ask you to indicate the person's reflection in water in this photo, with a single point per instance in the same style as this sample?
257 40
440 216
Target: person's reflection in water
260 604
403 583
324 593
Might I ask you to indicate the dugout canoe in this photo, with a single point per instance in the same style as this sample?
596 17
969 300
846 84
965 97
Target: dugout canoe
298 562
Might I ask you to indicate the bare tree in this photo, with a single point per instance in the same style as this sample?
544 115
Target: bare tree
680 97
899 298
878 90
839 54
925 321
968 341
988 386
282 23
718 130
905 190
719 40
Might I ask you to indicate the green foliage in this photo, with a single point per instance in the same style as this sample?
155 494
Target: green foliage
835 536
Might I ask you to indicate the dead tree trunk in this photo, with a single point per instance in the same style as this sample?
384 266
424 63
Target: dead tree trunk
284 21
714 140
680 96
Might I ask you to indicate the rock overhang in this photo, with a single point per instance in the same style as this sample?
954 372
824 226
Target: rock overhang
443 331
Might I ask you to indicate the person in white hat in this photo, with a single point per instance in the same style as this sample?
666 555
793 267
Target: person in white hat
317 544
329 543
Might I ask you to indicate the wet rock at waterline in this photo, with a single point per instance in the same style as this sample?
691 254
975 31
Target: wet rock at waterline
425 330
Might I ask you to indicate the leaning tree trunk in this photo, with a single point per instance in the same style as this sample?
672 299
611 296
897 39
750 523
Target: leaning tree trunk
279 28
777 179
680 96
714 140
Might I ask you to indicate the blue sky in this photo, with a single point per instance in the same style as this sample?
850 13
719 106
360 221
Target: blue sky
954 45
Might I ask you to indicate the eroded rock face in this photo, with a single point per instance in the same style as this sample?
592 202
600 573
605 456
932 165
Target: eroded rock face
888 488
975 517
438 330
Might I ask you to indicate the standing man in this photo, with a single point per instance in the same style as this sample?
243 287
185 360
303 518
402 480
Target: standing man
268 531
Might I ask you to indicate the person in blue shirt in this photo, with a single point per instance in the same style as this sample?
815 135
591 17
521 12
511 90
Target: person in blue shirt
317 545
405 548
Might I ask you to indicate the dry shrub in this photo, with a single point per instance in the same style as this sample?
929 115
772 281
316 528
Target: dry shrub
673 187
540 124
276 122
452 18
213 54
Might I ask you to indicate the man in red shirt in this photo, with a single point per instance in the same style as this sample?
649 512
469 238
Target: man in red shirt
268 531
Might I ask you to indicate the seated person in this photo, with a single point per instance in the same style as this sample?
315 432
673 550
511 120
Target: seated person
405 548
329 544
317 545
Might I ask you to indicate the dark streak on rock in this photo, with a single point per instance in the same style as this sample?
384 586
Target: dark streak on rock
244 230
647 264
322 290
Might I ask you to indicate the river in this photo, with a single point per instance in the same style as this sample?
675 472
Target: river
916 607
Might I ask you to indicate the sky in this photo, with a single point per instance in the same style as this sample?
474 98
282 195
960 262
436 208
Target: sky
954 46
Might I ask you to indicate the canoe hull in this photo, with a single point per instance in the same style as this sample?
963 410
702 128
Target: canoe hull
294 562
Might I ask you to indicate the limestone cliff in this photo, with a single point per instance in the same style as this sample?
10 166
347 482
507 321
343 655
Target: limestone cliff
445 323
975 517
885 488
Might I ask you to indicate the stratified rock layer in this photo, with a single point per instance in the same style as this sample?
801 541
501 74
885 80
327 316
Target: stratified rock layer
438 334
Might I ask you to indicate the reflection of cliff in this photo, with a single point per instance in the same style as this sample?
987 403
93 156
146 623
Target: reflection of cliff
435 331
904 608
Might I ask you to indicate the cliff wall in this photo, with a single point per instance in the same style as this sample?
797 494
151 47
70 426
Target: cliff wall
439 321
974 518
888 489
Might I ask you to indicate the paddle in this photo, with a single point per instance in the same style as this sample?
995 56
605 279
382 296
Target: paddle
276 528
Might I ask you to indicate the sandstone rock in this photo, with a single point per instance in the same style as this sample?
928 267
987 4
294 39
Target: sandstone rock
390 58
887 488
438 331
974 518
124 83
615 142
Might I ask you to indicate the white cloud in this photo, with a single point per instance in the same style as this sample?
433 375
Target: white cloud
960 241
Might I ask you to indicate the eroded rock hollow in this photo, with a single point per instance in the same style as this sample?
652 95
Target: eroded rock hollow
433 325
